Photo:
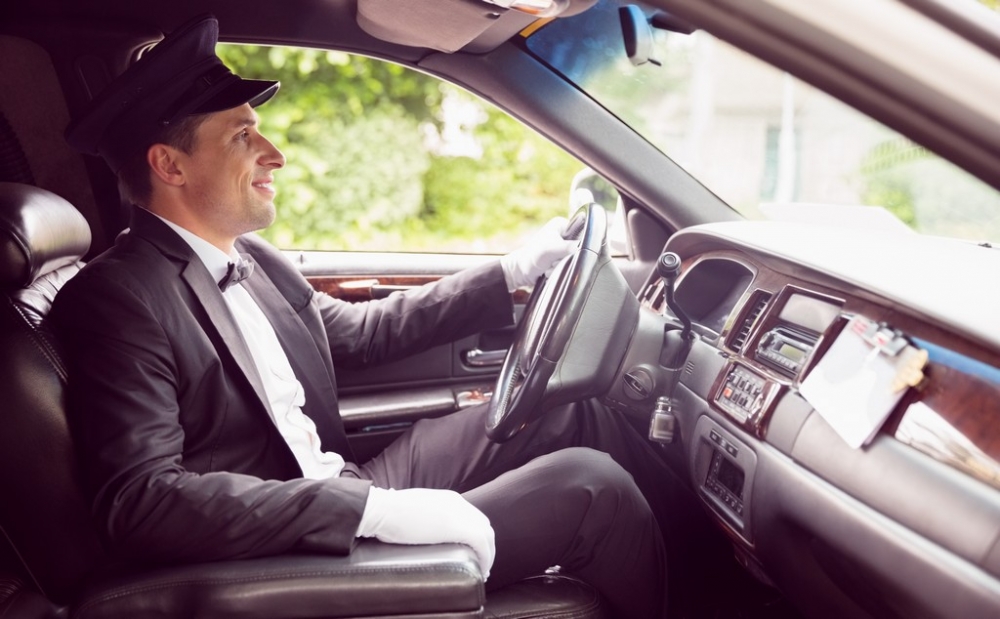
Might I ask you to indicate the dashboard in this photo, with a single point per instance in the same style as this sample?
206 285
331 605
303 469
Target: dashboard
906 523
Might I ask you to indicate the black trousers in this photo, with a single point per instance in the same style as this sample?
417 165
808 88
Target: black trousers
576 488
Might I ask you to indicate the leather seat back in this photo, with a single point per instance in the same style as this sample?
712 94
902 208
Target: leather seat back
43 513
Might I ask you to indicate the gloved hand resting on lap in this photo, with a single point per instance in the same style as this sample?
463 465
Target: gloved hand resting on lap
426 516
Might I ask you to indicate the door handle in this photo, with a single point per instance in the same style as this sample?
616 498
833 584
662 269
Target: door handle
484 358
374 289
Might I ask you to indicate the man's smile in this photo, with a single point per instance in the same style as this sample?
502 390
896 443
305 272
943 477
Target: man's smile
264 185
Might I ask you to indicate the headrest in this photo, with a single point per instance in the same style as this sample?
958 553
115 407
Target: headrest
39 233
179 77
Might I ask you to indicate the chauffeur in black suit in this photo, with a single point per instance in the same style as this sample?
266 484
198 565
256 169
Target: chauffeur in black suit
205 405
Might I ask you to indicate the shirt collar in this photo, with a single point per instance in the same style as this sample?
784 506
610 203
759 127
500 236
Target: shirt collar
214 259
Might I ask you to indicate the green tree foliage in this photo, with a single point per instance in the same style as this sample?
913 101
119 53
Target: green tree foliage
519 182
369 168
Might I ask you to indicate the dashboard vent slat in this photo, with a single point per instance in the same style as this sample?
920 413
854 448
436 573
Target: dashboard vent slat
654 296
759 304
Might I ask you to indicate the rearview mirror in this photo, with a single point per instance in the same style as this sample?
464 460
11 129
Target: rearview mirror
637 34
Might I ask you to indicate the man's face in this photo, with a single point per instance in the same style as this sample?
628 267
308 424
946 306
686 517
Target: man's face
229 179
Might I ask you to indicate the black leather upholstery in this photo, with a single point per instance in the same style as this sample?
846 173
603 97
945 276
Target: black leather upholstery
376 580
39 233
550 596
53 563
43 511
18 601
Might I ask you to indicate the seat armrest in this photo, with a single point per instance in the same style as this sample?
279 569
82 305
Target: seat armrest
375 580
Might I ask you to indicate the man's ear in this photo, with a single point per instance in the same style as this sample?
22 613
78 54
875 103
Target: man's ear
163 161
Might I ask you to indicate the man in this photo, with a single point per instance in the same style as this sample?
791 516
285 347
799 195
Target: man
202 388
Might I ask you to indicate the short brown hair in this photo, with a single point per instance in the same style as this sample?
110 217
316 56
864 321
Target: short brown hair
134 183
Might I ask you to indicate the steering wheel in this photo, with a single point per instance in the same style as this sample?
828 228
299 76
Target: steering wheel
528 383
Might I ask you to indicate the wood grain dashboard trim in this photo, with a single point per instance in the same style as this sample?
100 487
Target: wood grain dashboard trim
360 288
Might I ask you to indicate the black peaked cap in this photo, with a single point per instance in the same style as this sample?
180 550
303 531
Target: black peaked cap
180 76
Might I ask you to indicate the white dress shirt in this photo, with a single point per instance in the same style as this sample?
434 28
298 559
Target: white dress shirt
284 392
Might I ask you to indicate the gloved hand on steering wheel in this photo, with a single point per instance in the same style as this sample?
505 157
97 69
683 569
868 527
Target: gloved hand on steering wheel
523 266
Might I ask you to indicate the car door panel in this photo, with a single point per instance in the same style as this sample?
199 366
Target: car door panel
378 403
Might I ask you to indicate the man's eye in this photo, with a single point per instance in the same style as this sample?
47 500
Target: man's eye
243 135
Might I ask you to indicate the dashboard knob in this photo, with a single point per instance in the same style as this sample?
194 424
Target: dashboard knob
668 266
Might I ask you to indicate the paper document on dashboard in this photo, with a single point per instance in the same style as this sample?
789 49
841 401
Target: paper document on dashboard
857 383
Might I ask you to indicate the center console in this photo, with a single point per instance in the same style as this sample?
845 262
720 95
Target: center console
723 467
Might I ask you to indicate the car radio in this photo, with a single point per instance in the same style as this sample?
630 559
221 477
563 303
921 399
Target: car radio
785 349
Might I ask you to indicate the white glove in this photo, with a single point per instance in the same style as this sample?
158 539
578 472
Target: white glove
425 516
524 265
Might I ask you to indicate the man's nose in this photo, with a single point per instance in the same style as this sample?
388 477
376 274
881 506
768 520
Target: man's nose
272 157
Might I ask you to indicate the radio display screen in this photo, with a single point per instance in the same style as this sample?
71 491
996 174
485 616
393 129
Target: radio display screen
791 352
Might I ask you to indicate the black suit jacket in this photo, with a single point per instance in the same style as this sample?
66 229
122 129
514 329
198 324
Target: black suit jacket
179 451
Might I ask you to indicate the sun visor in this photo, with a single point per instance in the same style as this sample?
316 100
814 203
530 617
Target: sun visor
446 25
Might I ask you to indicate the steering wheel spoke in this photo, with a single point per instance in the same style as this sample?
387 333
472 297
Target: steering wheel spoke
525 388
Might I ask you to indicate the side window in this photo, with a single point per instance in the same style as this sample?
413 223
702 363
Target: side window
384 158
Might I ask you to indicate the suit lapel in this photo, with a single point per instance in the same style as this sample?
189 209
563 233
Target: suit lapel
210 297
306 362
295 339
207 294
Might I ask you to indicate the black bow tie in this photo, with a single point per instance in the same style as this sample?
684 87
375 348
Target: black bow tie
238 271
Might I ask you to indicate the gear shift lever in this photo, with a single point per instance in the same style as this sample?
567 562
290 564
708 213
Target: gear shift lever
663 421
668 267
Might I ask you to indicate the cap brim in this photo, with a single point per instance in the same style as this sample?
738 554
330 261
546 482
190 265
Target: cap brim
238 92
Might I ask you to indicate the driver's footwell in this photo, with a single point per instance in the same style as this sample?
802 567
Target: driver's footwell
729 592
706 580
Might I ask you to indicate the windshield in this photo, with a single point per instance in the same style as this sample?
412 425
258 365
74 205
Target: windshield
768 144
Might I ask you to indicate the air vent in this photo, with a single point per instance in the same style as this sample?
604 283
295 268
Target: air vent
759 304
653 296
